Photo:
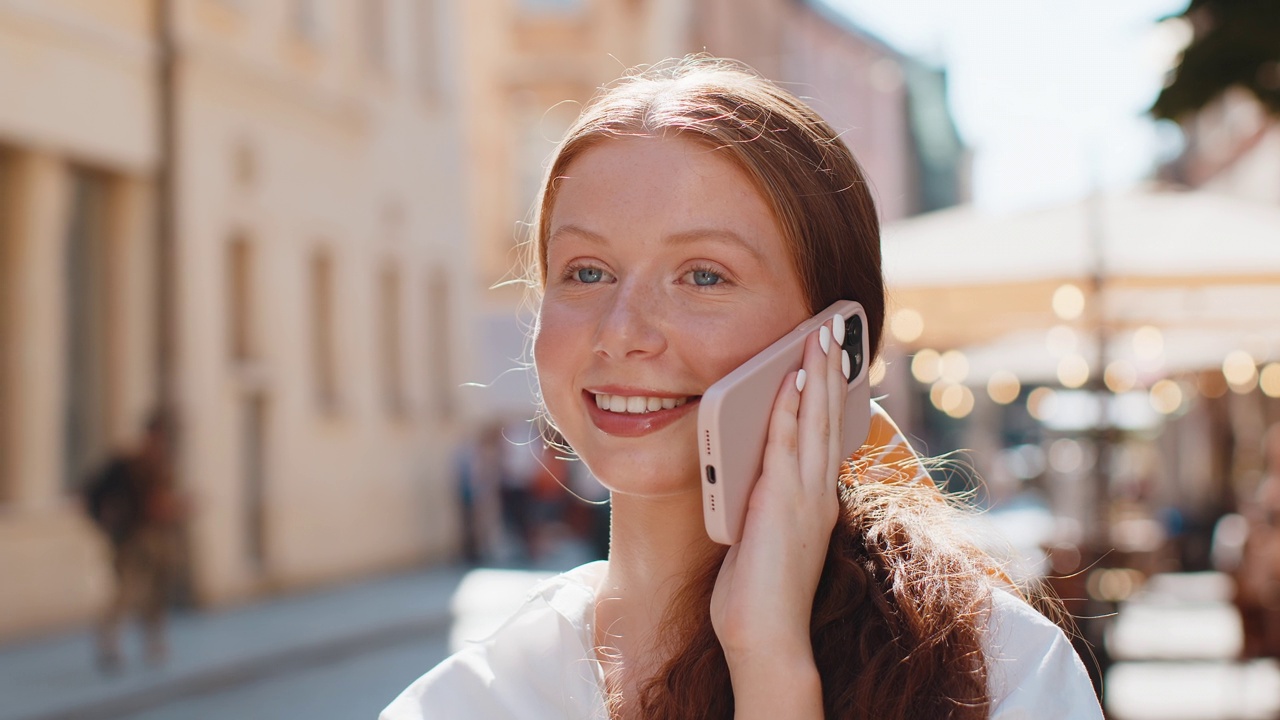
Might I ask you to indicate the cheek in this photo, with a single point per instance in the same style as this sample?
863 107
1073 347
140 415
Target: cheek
554 349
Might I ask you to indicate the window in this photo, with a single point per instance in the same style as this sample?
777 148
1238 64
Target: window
254 446
390 329
240 301
323 341
85 304
440 340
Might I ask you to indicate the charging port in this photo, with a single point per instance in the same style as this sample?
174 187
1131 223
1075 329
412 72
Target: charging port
711 474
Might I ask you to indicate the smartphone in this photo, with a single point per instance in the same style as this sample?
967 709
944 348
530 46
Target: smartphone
733 417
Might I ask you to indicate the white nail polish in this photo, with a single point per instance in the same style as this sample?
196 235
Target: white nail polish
800 381
837 329
824 338
844 363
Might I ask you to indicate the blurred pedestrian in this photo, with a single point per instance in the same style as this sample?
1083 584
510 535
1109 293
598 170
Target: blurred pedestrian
480 469
521 446
550 500
133 500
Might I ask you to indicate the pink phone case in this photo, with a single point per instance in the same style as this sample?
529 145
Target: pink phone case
733 417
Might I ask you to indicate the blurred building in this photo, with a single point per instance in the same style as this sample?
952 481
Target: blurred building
250 210
891 109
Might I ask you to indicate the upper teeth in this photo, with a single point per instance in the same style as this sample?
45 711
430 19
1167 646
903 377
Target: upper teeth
636 403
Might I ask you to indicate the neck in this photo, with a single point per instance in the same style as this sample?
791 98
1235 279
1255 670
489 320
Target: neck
654 544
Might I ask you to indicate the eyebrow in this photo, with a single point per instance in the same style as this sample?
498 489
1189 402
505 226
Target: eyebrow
686 237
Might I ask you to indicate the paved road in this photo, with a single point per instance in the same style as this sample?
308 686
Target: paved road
348 688
359 683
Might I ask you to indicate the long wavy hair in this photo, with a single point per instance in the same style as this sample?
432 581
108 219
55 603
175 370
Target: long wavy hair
897 617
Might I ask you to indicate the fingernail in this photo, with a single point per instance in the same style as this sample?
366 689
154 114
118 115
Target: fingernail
824 338
800 381
837 329
844 363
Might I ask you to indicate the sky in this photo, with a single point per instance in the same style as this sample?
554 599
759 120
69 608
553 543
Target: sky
1051 97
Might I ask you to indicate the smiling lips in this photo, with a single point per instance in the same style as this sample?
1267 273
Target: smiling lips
635 404
635 415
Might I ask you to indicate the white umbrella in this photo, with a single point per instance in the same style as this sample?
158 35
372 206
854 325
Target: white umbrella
1201 267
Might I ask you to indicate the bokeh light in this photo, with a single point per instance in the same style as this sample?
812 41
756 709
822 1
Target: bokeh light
907 325
1066 456
1148 343
1040 403
1073 371
1269 379
1068 302
1241 371
1166 396
926 366
957 401
1004 387
1120 377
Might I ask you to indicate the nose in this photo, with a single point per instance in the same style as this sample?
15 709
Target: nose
630 325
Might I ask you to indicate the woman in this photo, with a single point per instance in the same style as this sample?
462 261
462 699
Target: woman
694 214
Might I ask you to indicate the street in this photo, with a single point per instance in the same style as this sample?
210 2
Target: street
347 652
357 686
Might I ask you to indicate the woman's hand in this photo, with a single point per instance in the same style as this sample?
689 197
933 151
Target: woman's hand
764 594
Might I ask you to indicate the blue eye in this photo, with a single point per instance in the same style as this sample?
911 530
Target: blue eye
589 275
705 278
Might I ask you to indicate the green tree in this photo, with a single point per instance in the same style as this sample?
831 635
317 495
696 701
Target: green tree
1236 43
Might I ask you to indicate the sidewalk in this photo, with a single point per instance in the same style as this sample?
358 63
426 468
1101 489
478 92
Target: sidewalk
55 678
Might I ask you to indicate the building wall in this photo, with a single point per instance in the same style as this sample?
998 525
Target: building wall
854 81
81 73
299 141
857 84
303 130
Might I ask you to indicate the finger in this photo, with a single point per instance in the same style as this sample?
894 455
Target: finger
780 449
815 409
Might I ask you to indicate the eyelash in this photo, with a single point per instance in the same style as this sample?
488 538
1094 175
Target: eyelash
710 271
570 274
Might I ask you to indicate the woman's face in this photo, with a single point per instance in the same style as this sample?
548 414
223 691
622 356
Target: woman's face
666 269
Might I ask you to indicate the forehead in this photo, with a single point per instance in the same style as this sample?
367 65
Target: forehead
669 185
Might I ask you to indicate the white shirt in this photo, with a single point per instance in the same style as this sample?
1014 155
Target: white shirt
541 664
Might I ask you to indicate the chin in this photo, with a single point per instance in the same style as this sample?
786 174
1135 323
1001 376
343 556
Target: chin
646 474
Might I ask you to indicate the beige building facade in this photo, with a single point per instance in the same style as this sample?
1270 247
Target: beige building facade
310 314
